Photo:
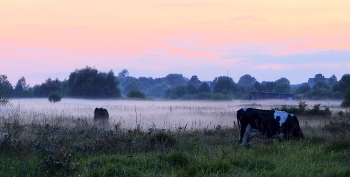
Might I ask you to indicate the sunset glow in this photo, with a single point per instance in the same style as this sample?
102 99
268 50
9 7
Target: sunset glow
41 39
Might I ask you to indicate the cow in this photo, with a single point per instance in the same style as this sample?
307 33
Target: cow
267 124
100 113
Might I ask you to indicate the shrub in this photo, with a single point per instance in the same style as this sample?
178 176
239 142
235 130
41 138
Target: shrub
55 97
302 109
136 94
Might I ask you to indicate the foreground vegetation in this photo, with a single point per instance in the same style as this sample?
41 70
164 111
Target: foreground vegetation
53 149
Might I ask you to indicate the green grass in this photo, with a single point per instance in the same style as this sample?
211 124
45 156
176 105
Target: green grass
54 149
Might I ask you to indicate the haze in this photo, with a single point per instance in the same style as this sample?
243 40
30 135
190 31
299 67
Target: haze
169 115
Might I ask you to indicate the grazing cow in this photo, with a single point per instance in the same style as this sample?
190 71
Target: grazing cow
101 113
267 124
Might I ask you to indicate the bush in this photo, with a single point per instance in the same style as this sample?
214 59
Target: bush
55 97
302 109
136 94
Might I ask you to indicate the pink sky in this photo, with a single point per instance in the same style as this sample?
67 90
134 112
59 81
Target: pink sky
267 39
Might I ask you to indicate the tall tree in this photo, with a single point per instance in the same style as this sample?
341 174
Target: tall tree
224 85
246 80
194 81
175 79
343 84
88 82
124 73
6 90
22 88
282 85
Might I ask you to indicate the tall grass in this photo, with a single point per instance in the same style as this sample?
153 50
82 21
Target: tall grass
74 146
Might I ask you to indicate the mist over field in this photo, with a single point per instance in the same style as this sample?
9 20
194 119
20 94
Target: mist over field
169 115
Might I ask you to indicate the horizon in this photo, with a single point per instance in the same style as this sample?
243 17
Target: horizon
268 40
116 75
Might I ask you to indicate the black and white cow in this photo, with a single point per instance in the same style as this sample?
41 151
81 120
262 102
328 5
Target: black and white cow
267 124
101 113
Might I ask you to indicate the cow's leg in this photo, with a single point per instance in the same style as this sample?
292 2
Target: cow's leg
279 136
255 133
247 132
242 127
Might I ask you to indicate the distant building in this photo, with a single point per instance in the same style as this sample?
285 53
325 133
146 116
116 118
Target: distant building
329 81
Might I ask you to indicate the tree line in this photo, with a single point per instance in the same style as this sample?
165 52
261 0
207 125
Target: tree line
90 83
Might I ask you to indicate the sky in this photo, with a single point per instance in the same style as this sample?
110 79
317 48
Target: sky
267 39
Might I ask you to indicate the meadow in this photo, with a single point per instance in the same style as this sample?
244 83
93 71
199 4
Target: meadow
165 138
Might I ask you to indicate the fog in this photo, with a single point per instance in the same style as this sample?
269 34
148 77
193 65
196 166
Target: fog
148 114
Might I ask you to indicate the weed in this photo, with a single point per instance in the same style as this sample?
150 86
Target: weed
161 141
177 158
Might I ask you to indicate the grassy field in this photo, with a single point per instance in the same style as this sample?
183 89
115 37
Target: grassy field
164 138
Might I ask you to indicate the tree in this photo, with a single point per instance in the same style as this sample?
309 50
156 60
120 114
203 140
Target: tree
21 89
246 80
282 85
224 85
303 88
45 89
6 90
282 80
320 90
268 85
343 84
321 84
146 82
194 81
158 90
281 88
131 86
136 94
176 92
124 73
88 82
204 87
55 97
175 79
191 89
259 87
111 85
